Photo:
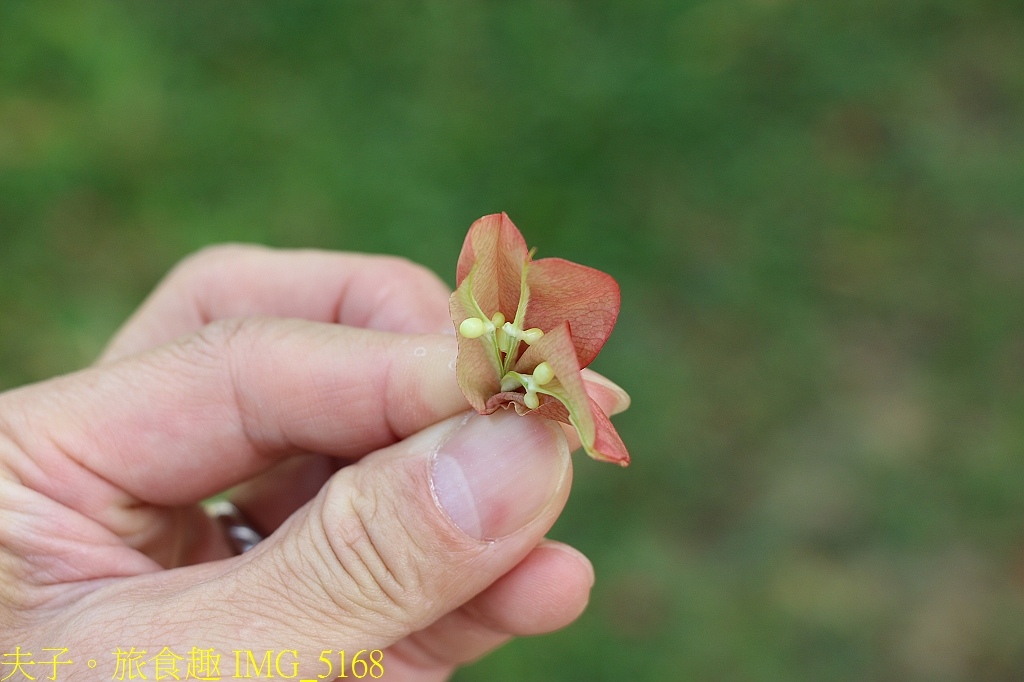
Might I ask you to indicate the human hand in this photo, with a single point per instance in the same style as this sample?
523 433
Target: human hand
396 522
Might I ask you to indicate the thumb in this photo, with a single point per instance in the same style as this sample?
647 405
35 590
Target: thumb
389 545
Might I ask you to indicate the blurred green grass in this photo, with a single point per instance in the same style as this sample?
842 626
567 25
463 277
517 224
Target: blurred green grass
815 211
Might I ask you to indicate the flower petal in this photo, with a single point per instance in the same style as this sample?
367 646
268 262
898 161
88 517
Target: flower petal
476 366
612 398
495 249
607 447
516 400
586 298
597 435
557 349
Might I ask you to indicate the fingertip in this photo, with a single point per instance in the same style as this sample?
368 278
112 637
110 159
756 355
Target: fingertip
398 295
612 398
545 592
572 554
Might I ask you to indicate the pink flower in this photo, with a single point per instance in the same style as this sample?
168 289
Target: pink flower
526 328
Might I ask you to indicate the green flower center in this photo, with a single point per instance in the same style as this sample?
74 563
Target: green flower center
504 338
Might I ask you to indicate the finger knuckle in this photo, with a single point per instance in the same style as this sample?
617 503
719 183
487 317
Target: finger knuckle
218 353
378 572
214 343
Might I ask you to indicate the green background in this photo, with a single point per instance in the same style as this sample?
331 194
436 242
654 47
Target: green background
815 210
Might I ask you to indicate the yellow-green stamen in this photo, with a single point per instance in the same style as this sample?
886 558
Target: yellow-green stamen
543 374
532 335
473 328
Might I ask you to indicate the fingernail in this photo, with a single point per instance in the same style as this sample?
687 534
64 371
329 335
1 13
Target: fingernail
496 473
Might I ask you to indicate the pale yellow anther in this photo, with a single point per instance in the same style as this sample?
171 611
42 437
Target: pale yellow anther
532 335
497 319
531 400
543 374
473 327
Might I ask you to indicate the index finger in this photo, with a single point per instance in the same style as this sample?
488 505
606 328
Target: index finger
242 280
177 424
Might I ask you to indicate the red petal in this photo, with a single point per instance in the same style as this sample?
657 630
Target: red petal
549 408
612 400
588 299
507 398
557 349
552 408
476 368
597 435
607 444
497 251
